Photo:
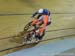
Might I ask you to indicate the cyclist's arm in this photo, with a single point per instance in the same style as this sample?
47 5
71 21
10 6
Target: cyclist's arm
34 14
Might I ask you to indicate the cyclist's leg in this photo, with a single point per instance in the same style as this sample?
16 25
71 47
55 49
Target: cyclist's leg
41 36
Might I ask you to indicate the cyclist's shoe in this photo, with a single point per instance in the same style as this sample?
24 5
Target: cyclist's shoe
37 40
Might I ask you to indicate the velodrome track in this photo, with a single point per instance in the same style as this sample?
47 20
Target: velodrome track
57 41
58 48
16 13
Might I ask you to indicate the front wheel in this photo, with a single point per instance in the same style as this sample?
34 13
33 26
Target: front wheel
27 26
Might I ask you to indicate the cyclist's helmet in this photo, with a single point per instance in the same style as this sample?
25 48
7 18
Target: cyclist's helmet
43 11
40 11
